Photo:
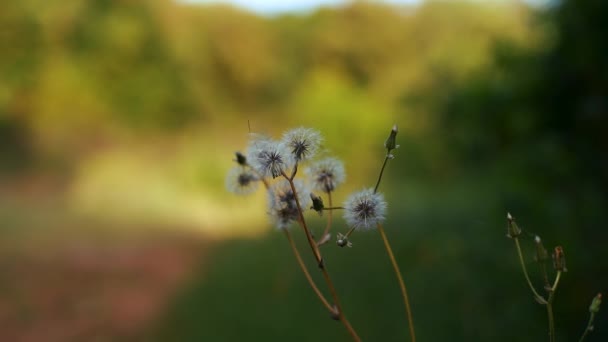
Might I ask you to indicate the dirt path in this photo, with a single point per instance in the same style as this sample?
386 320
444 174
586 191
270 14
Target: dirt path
87 290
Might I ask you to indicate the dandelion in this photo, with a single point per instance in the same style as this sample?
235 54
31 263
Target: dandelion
241 181
326 174
282 202
364 209
302 142
268 157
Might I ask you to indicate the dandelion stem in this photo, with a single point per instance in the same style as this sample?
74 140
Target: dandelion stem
350 231
550 307
329 220
406 300
551 322
588 328
317 253
554 287
538 297
330 208
306 273
381 172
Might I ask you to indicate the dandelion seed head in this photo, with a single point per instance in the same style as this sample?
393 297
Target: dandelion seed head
326 174
364 209
268 157
302 142
283 209
241 181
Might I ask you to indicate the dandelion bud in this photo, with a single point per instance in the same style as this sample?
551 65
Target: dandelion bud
513 230
595 304
342 241
559 259
317 203
541 253
391 141
241 159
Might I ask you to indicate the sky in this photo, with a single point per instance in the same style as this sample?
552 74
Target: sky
280 6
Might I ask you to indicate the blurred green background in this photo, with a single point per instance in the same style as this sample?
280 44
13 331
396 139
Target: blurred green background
119 120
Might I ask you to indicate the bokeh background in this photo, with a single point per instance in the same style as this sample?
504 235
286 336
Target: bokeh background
119 120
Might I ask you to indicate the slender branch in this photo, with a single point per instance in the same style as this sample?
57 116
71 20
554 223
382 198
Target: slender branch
538 297
350 231
554 287
306 274
550 306
381 172
551 322
406 300
329 221
589 327
317 253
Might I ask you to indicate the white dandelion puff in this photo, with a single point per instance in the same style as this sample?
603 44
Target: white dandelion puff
364 209
302 142
283 209
241 181
268 157
326 174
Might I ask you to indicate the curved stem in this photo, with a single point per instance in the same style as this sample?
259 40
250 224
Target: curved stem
317 253
538 297
406 300
306 274
588 328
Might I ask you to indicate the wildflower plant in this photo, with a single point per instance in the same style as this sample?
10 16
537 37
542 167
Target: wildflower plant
558 258
275 164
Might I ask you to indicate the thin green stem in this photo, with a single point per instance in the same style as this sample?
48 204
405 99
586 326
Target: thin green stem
551 322
406 300
554 287
381 172
538 297
350 231
588 328
550 306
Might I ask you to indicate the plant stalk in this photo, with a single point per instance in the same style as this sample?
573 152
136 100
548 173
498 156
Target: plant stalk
406 300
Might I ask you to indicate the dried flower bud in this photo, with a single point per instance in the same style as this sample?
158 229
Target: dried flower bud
595 304
559 259
342 241
317 203
241 159
541 252
391 141
513 230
